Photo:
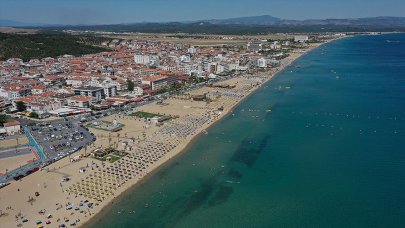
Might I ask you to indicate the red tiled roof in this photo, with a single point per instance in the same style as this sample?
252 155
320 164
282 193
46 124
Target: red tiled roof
154 78
11 123
53 77
81 98
39 87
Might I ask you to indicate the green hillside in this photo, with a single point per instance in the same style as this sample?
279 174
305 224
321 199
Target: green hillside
28 46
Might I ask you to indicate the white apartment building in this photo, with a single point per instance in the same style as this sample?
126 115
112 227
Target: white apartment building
138 91
15 93
185 59
44 107
220 68
301 39
262 63
152 60
192 50
142 59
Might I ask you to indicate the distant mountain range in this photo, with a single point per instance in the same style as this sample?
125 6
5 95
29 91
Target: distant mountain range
270 20
255 20
240 25
11 23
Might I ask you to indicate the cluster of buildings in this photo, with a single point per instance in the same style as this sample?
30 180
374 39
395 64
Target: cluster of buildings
10 128
69 85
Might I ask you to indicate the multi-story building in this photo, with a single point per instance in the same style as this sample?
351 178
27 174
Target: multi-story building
262 63
42 107
254 46
11 128
62 98
90 91
80 101
301 39
39 89
192 50
77 81
14 93
152 60
157 82
109 86
39 103
138 91
53 80
142 59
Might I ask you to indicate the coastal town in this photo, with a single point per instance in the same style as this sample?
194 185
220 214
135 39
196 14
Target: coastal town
76 131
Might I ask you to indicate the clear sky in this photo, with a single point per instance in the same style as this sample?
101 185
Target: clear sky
126 11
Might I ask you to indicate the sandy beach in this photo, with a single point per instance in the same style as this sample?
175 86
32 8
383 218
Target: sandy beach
49 199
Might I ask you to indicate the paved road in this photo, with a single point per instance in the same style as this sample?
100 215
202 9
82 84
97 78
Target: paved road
13 152
13 137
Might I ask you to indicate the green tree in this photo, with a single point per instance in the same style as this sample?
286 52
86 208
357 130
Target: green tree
34 115
131 85
21 106
3 119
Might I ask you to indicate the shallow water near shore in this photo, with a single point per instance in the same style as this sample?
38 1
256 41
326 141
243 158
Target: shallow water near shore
331 153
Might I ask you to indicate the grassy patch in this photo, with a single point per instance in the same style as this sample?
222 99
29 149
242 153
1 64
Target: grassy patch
113 156
145 115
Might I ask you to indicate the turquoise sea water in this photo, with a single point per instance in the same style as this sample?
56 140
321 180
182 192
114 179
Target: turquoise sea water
330 154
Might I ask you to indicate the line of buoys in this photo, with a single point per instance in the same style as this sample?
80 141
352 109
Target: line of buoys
351 116
361 131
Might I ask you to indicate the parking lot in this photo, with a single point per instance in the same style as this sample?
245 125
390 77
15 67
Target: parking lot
60 138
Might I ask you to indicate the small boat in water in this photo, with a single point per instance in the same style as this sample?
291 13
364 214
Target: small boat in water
392 41
232 182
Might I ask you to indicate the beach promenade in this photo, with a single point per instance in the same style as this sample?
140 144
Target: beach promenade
72 193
